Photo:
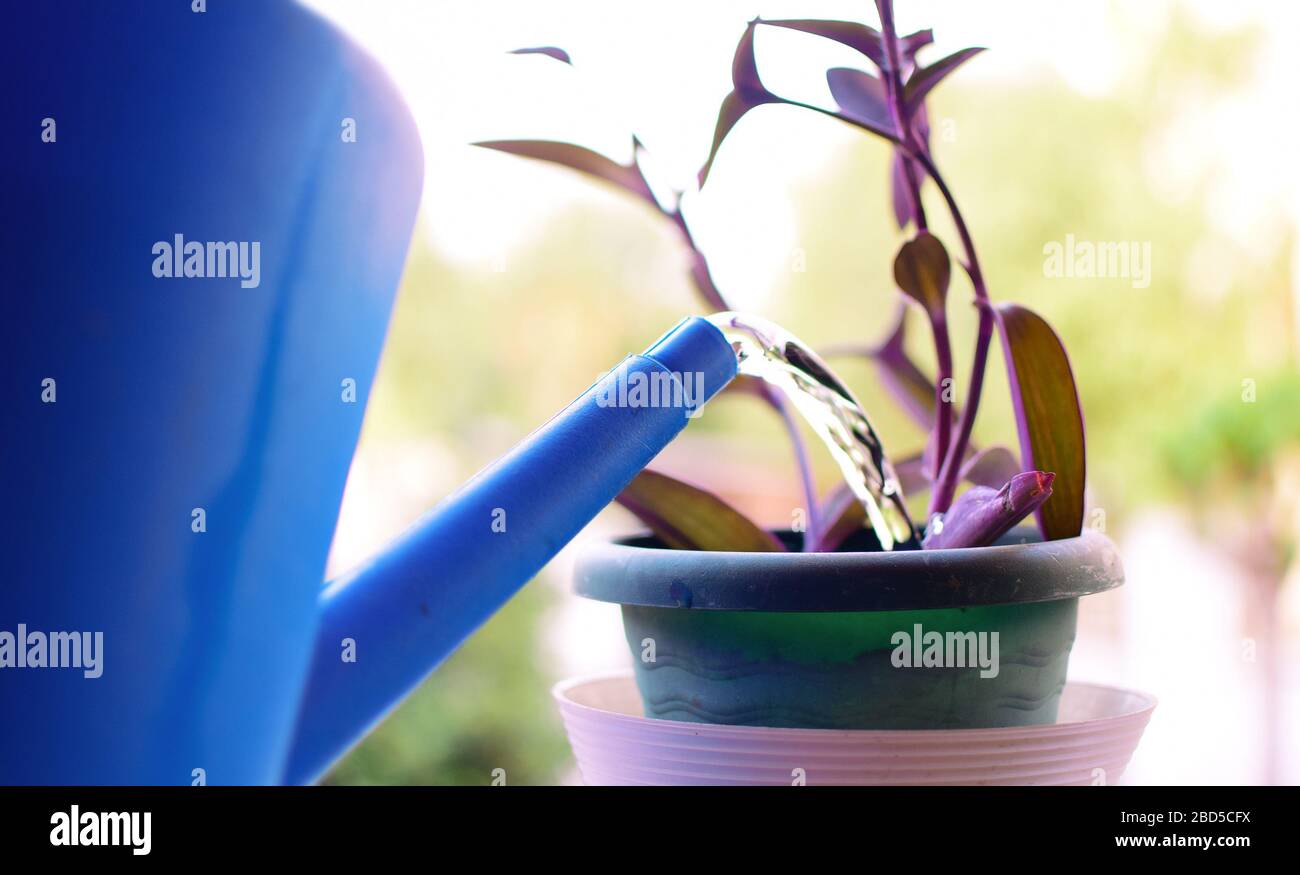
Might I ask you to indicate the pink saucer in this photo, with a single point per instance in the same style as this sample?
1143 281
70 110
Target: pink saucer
1091 743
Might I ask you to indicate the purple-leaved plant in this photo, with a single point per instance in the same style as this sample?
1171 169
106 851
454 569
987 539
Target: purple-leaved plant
886 99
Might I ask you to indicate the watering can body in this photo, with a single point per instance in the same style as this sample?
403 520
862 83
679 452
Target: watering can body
175 448
176 442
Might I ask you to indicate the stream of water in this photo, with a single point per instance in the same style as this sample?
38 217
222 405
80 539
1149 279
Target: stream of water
769 353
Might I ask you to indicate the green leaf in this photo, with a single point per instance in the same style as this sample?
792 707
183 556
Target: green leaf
1048 414
686 517
922 270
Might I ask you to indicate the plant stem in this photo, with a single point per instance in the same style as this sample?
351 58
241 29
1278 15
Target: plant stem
700 272
812 535
897 110
943 387
972 265
909 144
946 486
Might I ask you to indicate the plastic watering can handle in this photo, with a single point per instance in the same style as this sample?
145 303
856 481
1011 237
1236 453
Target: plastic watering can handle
405 611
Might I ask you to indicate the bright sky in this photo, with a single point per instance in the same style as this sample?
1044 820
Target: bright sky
663 68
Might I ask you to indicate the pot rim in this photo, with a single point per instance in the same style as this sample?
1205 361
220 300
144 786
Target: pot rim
631 571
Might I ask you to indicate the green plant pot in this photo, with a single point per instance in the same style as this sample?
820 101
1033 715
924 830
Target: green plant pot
942 639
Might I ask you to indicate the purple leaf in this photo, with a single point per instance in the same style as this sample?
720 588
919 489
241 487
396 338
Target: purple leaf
862 98
860 37
686 517
844 516
921 124
925 78
911 389
744 67
991 467
748 92
914 42
922 270
549 51
1048 415
864 39
981 514
625 176
904 209
913 474
734 107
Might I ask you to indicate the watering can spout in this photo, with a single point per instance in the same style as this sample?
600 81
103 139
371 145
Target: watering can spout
385 626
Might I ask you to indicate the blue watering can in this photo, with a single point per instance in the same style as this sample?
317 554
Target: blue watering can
177 422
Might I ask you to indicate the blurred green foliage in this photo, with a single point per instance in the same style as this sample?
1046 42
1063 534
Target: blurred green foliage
488 707
1029 164
1231 442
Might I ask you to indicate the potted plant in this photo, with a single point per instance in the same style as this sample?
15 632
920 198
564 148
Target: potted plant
970 624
